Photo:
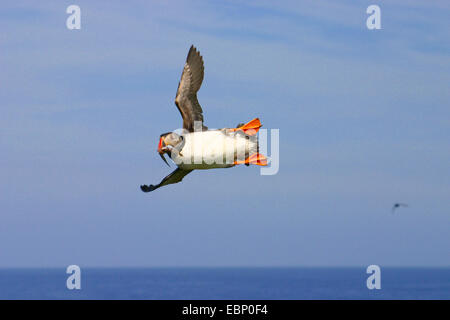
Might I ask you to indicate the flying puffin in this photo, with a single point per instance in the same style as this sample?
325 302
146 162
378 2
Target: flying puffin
398 205
196 147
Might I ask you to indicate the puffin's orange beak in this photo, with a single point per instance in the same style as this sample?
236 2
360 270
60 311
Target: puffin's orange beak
161 151
160 145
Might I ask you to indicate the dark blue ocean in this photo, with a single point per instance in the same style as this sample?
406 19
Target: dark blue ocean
226 283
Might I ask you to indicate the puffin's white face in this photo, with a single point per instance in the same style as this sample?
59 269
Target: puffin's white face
167 142
172 139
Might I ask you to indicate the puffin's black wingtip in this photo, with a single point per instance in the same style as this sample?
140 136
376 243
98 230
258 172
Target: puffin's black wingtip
146 188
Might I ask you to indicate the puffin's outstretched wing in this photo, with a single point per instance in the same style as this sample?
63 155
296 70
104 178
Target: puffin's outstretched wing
186 98
174 177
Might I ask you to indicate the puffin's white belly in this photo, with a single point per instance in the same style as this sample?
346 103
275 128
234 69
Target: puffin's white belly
214 149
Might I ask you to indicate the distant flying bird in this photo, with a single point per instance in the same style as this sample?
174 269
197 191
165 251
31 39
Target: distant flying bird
398 205
202 148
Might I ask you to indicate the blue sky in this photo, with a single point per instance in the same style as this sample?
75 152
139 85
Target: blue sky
363 116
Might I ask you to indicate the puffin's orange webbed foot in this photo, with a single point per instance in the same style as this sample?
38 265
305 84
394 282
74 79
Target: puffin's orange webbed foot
250 128
256 158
